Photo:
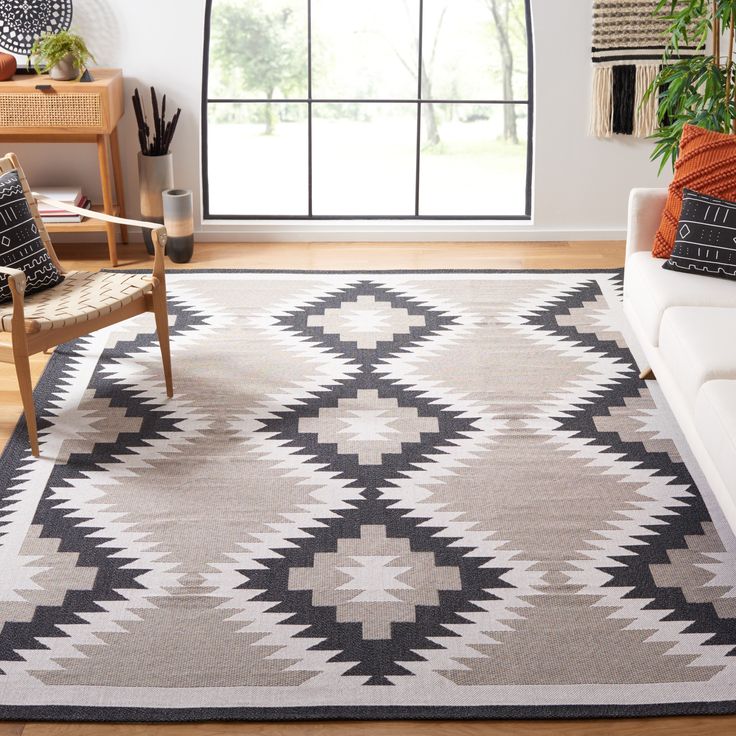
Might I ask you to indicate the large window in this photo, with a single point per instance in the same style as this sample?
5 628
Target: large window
391 109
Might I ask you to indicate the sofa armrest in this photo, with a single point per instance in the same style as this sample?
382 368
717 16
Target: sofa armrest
645 212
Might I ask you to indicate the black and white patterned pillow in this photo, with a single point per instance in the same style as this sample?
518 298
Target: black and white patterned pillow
706 237
20 243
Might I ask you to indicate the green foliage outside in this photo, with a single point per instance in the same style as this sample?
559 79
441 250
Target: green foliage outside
259 51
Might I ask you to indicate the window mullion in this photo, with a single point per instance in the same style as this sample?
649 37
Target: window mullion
419 109
309 107
466 149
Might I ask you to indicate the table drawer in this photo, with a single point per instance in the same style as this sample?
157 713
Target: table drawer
51 110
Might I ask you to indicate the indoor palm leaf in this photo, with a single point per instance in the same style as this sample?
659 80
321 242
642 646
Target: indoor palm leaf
699 89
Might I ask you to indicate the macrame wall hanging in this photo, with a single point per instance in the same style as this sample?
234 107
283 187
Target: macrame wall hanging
629 41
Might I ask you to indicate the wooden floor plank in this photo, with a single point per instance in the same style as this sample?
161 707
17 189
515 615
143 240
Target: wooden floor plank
713 726
345 256
11 729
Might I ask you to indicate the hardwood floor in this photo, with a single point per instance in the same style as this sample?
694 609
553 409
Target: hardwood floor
629 727
345 256
360 256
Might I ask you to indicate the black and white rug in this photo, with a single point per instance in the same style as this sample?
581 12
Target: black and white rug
375 495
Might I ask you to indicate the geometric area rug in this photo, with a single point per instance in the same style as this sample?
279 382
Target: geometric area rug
374 495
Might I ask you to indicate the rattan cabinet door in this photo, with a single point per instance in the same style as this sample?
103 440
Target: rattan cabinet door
51 110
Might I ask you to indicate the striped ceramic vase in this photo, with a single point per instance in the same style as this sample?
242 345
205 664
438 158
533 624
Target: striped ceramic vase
179 222
155 173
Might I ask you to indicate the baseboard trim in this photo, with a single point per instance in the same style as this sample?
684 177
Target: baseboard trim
298 233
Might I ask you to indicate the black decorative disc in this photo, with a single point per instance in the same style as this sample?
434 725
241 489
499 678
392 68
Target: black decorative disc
23 21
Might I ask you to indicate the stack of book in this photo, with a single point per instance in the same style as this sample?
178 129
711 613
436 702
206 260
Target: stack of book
67 195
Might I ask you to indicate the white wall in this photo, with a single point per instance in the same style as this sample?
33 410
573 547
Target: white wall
581 184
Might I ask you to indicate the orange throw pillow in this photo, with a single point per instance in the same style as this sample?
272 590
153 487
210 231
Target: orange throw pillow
707 165
8 66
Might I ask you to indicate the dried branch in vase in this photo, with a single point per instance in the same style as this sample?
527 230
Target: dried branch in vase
163 131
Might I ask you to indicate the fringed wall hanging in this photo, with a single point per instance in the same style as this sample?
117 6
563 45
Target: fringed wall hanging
629 41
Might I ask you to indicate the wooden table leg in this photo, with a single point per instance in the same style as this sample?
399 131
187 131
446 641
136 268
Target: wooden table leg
107 196
117 173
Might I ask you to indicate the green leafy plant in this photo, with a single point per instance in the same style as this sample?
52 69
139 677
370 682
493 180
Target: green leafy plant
51 48
698 89
259 48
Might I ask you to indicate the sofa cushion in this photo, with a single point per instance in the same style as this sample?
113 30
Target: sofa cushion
707 164
694 343
650 291
715 420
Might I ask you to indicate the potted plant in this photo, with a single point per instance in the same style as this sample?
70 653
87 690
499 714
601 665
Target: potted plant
697 89
62 54
155 162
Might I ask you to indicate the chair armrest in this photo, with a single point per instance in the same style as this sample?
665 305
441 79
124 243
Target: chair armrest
17 286
159 236
17 277
645 212
96 215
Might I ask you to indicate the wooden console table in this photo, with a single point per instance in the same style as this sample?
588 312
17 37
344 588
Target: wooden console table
37 109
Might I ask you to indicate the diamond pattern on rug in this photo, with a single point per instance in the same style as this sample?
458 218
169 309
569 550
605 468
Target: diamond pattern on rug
43 578
636 422
373 496
366 321
376 637
375 569
368 426
369 429
704 571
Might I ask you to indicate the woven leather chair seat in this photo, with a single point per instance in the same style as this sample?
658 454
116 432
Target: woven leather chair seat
81 297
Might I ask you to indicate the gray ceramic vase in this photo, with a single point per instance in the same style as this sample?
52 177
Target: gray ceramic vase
64 70
155 173
179 222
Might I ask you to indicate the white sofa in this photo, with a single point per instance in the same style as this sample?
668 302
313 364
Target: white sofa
685 325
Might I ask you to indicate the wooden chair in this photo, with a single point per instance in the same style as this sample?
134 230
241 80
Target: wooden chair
83 303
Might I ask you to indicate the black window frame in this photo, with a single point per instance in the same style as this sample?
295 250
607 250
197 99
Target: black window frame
310 100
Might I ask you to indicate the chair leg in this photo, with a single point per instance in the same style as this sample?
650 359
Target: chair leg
23 371
162 328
